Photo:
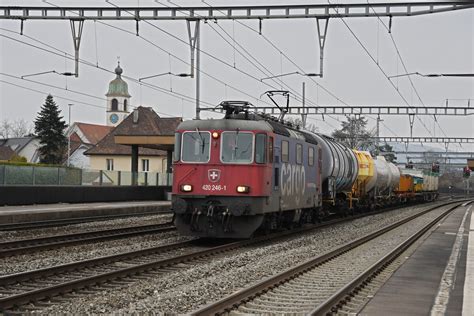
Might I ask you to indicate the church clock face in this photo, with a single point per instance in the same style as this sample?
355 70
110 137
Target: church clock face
114 118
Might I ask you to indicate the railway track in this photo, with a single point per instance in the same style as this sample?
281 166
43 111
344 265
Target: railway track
72 221
17 247
17 291
329 283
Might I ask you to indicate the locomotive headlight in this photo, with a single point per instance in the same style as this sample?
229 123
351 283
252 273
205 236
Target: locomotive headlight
243 189
215 135
186 188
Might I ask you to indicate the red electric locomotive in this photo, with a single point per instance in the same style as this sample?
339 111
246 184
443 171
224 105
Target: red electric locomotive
229 177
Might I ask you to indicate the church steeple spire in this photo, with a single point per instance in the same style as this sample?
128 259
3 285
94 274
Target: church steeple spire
118 98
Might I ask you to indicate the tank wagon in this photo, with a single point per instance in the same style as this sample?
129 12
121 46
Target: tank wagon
245 172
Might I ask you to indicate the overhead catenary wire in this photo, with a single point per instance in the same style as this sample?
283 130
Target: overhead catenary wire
262 68
200 50
295 93
403 64
379 66
214 57
54 95
161 88
85 62
65 98
314 81
289 59
225 85
135 80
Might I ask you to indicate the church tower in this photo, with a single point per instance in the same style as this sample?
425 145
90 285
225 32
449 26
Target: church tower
118 99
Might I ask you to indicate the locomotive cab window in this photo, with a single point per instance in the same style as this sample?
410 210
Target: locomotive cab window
285 152
270 149
299 154
195 146
177 146
237 147
260 148
310 156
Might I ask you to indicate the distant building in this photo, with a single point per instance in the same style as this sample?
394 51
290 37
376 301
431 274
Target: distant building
83 137
23 146
143 122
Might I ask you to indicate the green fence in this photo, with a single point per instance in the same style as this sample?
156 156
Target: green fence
33 175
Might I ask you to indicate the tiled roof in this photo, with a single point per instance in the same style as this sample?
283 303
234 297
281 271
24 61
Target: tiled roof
94 133
6 153
18 143
148 124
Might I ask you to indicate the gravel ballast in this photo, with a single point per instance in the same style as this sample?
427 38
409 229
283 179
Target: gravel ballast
84 227
193 286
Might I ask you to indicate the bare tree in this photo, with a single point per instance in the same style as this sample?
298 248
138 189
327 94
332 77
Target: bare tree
5 129
21 128
16 128
354 133
296 121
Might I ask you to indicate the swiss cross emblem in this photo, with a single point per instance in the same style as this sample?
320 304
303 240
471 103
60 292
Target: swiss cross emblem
213 175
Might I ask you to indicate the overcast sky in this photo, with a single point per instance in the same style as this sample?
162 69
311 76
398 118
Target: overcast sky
437 43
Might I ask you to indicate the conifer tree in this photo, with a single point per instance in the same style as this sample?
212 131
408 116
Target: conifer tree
49 127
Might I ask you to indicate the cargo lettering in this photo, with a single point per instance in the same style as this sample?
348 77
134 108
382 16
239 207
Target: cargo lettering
293 180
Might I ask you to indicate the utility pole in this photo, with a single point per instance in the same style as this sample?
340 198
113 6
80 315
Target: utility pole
194 45
198 69
303 115
69 137
378 134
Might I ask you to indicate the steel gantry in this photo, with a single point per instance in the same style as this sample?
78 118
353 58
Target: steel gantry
414 139
447 157
423 154
321 12
259 12
364 110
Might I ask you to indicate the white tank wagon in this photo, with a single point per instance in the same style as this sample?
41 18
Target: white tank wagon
388 175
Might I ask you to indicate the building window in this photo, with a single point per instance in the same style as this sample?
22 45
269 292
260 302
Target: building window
125 105
114 105
285 152
145 164
110 164
299 154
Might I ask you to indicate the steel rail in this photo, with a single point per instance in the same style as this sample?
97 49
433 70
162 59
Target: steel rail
236 299
42 274
21 246
75 266
343 296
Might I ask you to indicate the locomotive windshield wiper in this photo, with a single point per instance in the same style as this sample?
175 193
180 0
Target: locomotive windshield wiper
201 139
236 146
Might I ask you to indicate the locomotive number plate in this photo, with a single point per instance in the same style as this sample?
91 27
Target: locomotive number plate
214 187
